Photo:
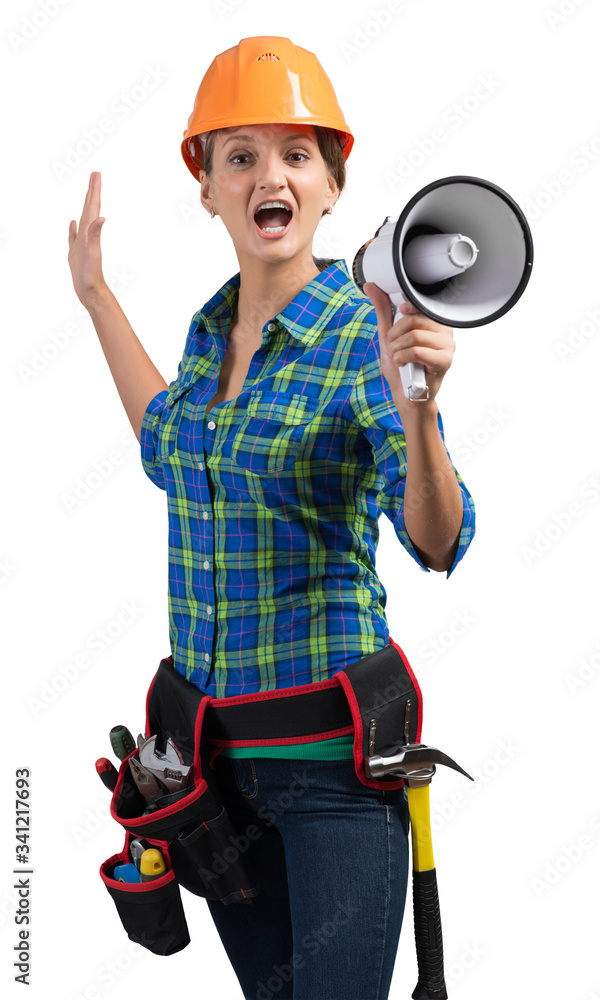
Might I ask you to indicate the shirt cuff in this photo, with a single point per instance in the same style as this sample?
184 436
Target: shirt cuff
467 531
149 438
467 528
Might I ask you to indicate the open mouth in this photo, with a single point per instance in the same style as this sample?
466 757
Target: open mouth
273 219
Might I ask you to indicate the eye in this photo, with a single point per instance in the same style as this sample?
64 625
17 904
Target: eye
294 152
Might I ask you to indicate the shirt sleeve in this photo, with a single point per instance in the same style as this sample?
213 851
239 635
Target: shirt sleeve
149 438
149 435
374 410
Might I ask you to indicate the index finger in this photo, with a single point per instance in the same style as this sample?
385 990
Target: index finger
91 205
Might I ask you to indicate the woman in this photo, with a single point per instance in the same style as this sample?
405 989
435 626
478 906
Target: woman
284 436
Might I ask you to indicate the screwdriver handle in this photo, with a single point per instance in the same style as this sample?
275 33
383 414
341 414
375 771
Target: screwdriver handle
122 741
152 865
107 773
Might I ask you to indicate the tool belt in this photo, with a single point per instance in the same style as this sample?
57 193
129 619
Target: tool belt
202 850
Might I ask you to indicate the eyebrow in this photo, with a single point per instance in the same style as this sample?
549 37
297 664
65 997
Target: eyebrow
249 138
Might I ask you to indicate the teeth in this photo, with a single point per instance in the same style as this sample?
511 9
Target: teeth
269 229
275 204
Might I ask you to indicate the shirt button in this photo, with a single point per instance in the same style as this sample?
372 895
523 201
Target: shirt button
208 610
206 657
211 425
201 466
205 516
206 564
271 327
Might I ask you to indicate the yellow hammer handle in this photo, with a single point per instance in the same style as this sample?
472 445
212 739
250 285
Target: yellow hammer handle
420 828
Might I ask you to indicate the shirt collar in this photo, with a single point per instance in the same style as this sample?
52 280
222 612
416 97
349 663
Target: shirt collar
304 317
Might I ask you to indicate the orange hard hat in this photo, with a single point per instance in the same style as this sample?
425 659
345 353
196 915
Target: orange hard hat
260 80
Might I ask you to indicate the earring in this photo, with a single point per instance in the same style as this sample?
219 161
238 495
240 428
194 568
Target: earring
329 210
212 212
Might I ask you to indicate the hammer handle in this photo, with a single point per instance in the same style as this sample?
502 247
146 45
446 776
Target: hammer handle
426 904
428 937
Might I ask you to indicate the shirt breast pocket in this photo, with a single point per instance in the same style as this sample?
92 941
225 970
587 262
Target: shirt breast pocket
268 439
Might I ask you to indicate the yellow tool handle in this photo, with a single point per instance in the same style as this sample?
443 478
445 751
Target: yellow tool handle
420 828
426 905
152 865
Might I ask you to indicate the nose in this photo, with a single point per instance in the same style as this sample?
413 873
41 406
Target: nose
271 170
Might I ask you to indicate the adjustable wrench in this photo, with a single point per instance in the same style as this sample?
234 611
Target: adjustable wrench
168 767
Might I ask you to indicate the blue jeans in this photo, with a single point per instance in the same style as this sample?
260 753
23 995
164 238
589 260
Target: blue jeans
331 856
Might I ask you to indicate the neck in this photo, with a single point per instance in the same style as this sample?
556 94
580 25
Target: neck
267 288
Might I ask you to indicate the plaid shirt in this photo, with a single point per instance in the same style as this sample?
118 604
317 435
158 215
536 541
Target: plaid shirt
274 497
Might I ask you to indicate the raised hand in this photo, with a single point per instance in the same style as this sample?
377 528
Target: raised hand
85 255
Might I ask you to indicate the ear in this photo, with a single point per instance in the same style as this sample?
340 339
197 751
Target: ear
332 191
205 190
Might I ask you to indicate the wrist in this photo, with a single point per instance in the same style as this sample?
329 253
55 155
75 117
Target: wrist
97 299
415 414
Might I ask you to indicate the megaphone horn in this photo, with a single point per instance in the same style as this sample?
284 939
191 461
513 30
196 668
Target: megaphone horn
461 251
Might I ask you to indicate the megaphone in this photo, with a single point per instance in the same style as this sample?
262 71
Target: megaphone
461 251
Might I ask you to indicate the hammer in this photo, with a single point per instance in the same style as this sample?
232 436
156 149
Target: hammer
416 762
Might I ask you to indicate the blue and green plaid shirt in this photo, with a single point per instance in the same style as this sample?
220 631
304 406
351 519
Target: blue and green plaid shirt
274 497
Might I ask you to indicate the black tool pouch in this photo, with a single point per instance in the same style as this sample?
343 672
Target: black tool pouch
386 705
192 825
151 912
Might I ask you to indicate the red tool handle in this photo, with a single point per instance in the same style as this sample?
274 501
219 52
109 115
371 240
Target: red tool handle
107 772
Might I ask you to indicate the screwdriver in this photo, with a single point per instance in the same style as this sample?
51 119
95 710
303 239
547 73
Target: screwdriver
122 741
107 772
152 865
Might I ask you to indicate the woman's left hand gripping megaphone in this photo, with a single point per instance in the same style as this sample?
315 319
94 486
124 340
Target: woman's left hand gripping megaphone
413 337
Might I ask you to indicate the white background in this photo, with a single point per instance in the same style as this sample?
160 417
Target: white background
507 650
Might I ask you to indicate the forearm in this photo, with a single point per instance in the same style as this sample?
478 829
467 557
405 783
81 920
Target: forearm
136 378
433 506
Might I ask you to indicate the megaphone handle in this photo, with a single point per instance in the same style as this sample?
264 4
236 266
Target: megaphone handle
412 375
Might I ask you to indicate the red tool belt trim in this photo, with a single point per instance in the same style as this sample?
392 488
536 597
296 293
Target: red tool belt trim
375 687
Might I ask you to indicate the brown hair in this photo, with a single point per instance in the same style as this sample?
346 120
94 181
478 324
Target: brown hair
329 147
